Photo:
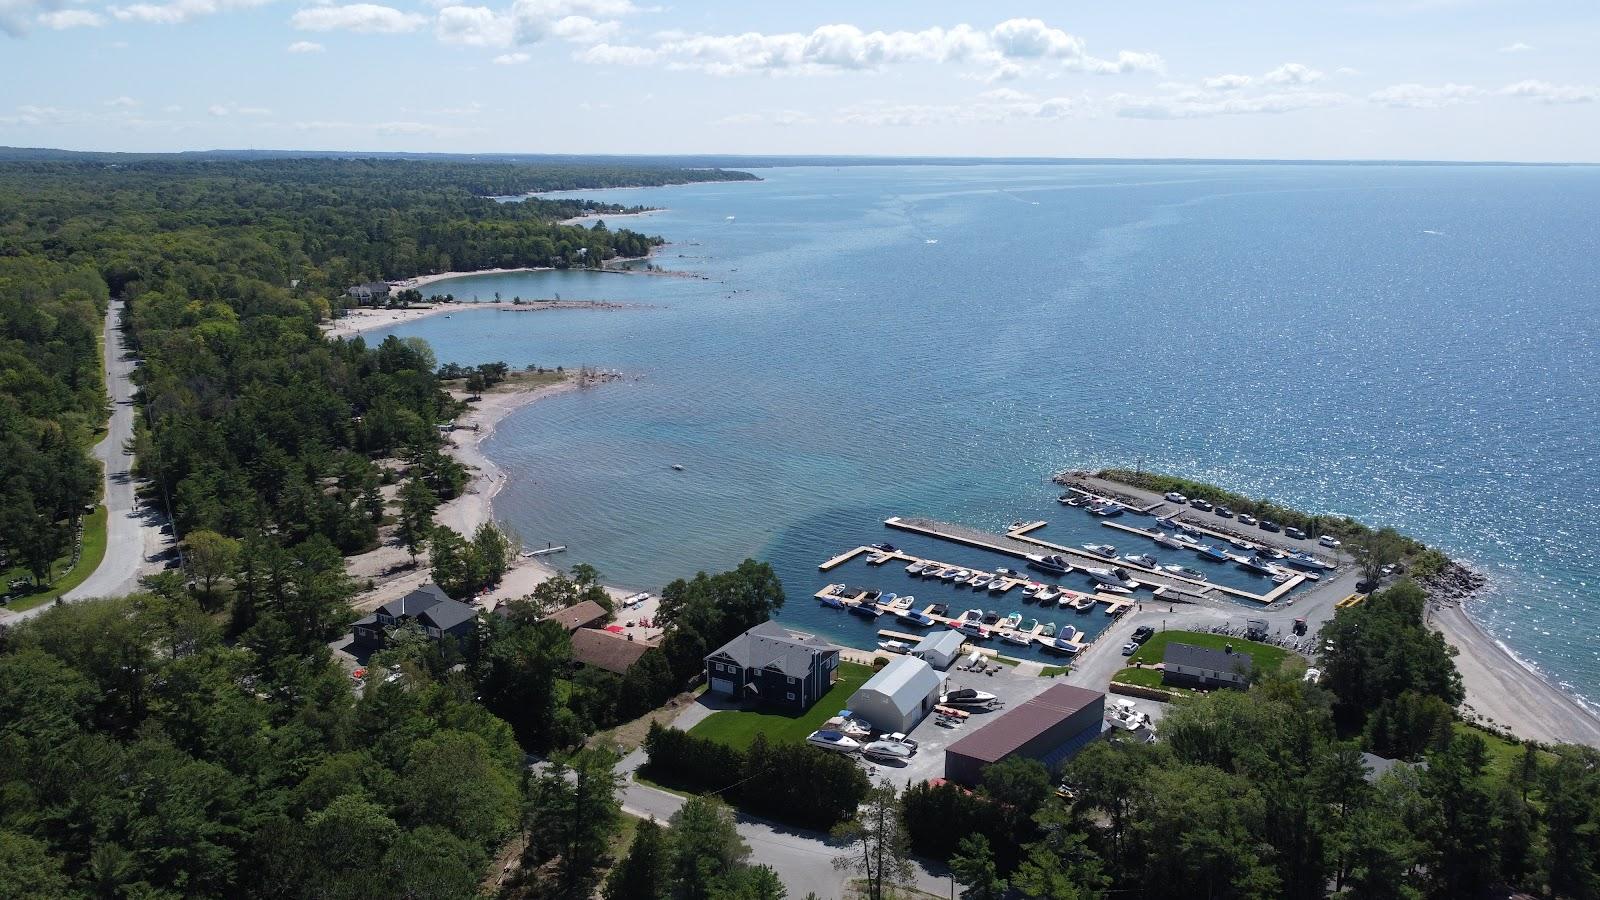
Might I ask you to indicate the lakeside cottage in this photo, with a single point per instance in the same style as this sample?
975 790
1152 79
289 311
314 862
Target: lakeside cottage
428 606
368 293
1189 666
778 667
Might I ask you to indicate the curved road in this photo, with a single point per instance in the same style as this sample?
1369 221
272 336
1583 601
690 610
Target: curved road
132 533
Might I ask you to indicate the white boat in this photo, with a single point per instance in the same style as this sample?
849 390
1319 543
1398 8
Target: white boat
1032 589
914 567
1113 578
1083 604
833 740
888 750
893 646
1106 550
1142 559
901 604
971 615
1011 621
967 697
1047 595
1165 540
981 580
953 574
1016 637
1123 715
974 630
1185 572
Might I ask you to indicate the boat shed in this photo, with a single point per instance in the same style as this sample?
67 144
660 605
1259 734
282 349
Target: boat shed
1050 728
899 696
941 649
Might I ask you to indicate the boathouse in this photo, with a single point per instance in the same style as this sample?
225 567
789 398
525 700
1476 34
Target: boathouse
1050 728
940 649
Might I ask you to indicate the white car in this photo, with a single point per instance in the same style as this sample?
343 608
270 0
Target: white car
1328 540
1130 649
1312 674
1176 497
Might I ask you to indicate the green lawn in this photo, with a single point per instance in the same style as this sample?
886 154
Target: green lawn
1265 657
94 550
739 727
1505 756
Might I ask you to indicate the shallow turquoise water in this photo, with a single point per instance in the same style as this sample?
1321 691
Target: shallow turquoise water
1411 346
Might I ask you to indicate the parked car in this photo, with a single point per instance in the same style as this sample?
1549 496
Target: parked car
1295 533
1224 512
1202 505
1130 648
1175 497
1246 519
1268 525
1143 633
1329 540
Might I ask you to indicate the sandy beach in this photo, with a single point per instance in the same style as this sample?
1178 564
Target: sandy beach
1504 693
598 217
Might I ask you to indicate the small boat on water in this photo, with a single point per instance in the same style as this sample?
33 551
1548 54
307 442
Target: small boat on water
1069 500
1051 564
1257 565
1107 510
914 566
916 619
866 609
1185 572
939 609
1112 589
971 615
1114 577
900 604
1000 585
1190 530
1028 625
1031 589
1241 543
1165 540
1083 604
953 574
981 580
1168 522
1186 542
831 601
1305 561
990 618
1048 595
1106 550
1143 559
974 630
1016 637
1011 621
1213 553
1281 578
1049 630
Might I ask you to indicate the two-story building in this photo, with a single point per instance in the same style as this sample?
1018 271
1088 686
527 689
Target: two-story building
773 665
428 606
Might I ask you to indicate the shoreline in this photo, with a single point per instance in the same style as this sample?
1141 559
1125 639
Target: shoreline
591 218
1503 692
364 319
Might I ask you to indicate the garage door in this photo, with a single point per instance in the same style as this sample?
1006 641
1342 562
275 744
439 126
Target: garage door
722 685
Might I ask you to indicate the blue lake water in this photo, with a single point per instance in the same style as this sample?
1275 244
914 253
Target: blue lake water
1413 346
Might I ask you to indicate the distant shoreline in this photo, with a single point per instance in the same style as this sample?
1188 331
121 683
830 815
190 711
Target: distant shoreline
360 321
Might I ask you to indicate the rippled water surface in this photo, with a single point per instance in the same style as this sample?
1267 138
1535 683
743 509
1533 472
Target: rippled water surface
1414 346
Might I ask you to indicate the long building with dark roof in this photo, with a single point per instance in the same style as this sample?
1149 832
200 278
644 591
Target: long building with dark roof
1049 728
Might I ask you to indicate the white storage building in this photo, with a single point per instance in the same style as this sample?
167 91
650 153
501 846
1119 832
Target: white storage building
940 649
899 696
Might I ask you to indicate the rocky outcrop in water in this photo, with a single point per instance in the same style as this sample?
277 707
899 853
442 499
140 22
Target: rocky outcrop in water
1454 583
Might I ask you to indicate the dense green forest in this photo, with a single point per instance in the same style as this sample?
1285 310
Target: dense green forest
197 740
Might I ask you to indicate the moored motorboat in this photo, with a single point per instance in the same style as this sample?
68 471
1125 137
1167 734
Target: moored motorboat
1113 577
974 630
1185 572
1016 637
866 609
1168 522
831 601
1165 540
914 566
915 619
900 604
1105 550
1011 621
893 646
1049 630
1213 553
1051 564
952 573
981 580
1059 645
1048 595
1031 589
939 609
991 617
1257 565
1142 559
1083 604
1107 510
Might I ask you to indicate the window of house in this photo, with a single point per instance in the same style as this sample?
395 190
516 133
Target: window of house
791 695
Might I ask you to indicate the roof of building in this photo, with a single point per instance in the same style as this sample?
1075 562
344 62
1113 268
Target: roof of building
906 682
1379 766
770 645
605 650
1207 658
947 641
429 605
1005 735
578 615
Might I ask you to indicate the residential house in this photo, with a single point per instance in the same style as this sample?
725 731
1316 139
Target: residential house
781 668
1190 666
428 606
369 293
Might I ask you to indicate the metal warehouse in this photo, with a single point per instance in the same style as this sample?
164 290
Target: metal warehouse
1050 728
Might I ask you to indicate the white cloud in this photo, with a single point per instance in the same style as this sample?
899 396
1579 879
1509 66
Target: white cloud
584 30
178 11
364 18
511 59
1515 47
472 26
1228 82
30 114
1202 104
771 117
306 47
1545 92
1421 96
1292 73
230 108
62 19
1004 50
123 102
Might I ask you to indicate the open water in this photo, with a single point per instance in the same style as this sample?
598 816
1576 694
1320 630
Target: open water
1413 346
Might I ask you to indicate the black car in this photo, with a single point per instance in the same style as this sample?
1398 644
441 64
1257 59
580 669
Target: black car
1268 525
1295 533
1224 512
1199 504
1143 633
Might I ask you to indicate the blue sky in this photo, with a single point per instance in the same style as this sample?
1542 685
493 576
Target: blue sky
1406 79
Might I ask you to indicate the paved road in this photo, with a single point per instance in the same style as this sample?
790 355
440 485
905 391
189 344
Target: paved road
131 536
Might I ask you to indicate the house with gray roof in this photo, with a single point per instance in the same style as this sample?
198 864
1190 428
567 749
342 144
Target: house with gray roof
774 666
429 606
1191 666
